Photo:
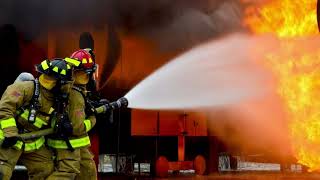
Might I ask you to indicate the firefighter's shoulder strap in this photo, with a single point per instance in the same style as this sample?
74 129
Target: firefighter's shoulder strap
36 92
34 104
79 90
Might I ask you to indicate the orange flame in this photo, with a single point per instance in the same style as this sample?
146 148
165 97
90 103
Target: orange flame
296 69
285 18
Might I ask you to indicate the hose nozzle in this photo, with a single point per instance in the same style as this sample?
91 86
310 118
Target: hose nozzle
122 102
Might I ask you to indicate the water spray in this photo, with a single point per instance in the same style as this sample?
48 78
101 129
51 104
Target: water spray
206 76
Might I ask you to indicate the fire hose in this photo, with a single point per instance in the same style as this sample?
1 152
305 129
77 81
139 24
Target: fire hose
33 135
122 102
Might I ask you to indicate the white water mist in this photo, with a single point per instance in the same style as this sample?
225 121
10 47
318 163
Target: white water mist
221 72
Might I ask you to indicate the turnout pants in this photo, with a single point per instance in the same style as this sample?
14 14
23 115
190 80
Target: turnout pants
88 170
67 165
39 163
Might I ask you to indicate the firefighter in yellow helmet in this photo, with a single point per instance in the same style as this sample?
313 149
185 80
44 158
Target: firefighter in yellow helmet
26 106
68 159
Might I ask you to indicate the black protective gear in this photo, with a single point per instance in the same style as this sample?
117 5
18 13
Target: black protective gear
9 141
64 128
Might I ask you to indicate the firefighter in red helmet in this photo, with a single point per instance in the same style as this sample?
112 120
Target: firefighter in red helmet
84 68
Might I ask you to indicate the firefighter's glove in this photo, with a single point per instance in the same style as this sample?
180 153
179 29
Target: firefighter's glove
104 106
103 101
90 110
9 141
97 107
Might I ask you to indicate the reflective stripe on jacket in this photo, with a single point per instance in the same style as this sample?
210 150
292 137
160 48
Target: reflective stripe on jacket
75 143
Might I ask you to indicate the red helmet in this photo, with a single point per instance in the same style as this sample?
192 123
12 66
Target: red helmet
82 60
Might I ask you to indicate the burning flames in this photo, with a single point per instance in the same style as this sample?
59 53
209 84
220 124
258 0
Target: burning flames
296 67
285 18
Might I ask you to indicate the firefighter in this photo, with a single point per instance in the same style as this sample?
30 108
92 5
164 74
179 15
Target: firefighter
26 106
79 95
82 123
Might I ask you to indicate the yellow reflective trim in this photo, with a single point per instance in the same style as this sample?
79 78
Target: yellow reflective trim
84 61
44 65
18 145
80 142
1 135
87 123
90 60
51 110
53 121
30 146
25 114
74 62
68 66
55 69
38 122
57 144
75 143
63 72
37 144
5 123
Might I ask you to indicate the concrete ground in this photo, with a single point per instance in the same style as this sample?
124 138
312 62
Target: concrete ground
237 176
234 176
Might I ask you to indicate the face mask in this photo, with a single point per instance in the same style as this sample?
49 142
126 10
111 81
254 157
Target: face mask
47 82
80 77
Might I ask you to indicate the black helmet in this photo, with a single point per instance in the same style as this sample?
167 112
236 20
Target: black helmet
57 68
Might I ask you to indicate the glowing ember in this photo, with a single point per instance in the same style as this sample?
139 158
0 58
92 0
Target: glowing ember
297 69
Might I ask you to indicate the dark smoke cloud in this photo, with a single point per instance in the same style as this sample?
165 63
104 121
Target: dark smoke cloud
177 23
182 23
195 24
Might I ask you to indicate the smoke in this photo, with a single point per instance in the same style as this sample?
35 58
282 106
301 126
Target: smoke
254 127
191 25
178 24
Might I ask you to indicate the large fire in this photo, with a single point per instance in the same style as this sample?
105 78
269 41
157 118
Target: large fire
297 70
